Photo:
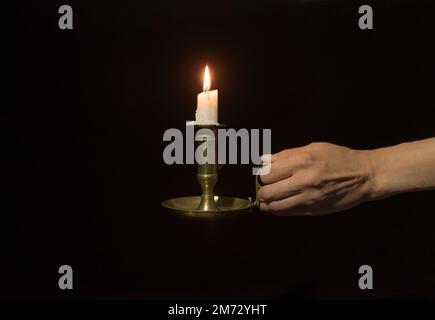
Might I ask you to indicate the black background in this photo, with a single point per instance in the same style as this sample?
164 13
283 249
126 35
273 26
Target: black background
84 175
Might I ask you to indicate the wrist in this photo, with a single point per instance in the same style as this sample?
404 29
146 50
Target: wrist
377 188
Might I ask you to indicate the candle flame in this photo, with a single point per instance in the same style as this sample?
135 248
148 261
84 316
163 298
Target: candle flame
207 82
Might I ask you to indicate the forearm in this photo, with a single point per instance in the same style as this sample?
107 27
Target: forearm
403 168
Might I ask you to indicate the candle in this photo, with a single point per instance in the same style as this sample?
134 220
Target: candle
207 106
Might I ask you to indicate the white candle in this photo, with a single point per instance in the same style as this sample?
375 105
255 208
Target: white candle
207 106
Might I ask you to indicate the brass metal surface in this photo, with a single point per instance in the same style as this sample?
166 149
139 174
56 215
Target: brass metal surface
225 206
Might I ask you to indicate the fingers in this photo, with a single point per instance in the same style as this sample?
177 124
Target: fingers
281 169
277 171
285 154
283 191
292 206
279 190
283 165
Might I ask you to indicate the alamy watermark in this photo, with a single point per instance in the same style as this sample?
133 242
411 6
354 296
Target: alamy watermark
227 147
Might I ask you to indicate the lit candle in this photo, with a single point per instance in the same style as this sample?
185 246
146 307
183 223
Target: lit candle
207 107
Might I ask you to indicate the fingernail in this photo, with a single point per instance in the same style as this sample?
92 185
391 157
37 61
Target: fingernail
266 158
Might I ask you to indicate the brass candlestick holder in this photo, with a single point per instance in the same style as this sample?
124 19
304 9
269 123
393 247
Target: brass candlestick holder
208 204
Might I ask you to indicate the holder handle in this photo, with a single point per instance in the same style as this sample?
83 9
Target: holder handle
258 185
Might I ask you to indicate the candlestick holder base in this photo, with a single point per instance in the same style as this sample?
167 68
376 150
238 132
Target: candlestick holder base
224 206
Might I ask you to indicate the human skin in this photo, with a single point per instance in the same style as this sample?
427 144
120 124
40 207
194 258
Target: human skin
323 178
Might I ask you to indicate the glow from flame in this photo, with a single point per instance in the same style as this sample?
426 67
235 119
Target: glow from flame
207 82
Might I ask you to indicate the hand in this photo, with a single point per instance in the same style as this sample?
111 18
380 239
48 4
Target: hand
317 179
